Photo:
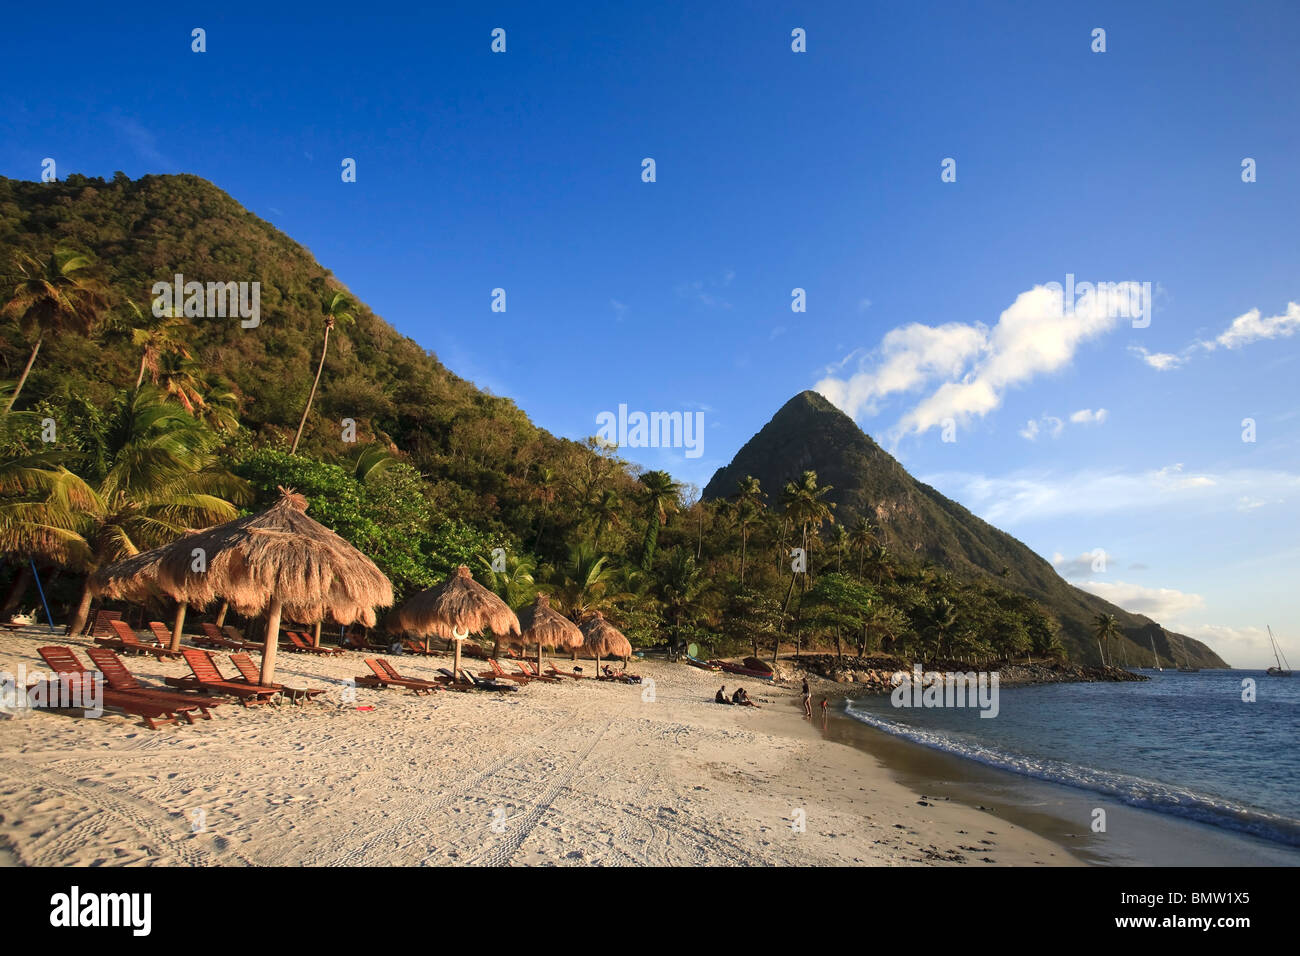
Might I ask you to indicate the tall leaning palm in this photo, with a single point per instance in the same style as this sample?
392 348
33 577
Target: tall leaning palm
1105 627
52 296
659 493
336 307
806 508
749 504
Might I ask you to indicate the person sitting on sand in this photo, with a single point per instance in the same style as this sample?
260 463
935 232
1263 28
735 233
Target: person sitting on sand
742 698
721 696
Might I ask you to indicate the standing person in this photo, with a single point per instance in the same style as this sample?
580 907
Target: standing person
807 699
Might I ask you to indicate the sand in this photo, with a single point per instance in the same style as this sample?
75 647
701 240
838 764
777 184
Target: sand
576 773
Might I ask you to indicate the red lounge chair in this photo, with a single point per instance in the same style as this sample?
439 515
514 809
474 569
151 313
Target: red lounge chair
208 677
499 673
303 645
62 660
530 671
385 675
249 674
161 633
556 672
128 640
213 639
102 627
233 635
118 677
417 647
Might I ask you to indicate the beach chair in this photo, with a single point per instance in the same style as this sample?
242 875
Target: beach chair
303 645
63 661
233 634
250 675
530 671
101 626
556 672
161 633
417 647
385 675
127 640
213 639
119 677
208 677
499 673
484 683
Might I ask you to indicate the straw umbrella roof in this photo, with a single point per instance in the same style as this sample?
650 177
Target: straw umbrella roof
459 604
278 556
546 627
133 579
603 639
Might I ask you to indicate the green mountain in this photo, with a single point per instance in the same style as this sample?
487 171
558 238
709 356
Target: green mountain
811 434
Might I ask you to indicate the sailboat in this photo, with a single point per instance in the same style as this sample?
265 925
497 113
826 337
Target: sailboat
1187 667
1155 658
1283 668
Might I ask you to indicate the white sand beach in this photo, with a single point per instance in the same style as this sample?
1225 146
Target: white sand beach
576 773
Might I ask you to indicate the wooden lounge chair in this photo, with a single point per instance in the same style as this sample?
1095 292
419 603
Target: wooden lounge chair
127 640
118 677
499 673
161 633
530 670
477 683
208 677
101 626
417 647
213 639
233 634
556 672
385 675
252 676
153 712
303 645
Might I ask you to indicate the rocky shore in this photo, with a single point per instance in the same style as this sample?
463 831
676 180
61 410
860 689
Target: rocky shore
874 674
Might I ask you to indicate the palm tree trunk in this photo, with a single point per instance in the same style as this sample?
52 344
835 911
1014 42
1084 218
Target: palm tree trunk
312 397
22 379
140 378
22 581
744 540
83 610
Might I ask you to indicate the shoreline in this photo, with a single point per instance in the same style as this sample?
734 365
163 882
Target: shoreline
1135 836
575 773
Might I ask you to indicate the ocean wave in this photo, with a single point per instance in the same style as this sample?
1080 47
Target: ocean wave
1134 791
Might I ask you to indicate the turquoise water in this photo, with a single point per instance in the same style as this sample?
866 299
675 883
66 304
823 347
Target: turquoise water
1182 744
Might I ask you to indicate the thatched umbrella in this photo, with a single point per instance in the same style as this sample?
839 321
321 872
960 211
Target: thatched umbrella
135 579
602 639
542 625
457 608
277 559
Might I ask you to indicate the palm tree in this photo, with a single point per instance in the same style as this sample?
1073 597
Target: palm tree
157 335
180 378
582 585
53 297
604 512
862 537
1106 627
659 495
806 508
161 478
942 619
749 504
335 307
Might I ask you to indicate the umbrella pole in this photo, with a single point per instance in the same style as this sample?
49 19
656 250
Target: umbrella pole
316 638
539 657
221 614
455 666
178 626
272 642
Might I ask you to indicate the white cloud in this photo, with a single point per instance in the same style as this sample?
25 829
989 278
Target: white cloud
1086 416
1251 327
1085 565
1162 604
1160 361
1023 496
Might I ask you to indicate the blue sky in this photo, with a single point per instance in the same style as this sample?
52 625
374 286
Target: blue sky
778 170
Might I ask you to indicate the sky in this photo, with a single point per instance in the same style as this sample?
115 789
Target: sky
1115 448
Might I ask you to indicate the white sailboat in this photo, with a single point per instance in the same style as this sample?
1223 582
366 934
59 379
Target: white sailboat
1283 668
1155 658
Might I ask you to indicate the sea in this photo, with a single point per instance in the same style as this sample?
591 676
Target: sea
1219 748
